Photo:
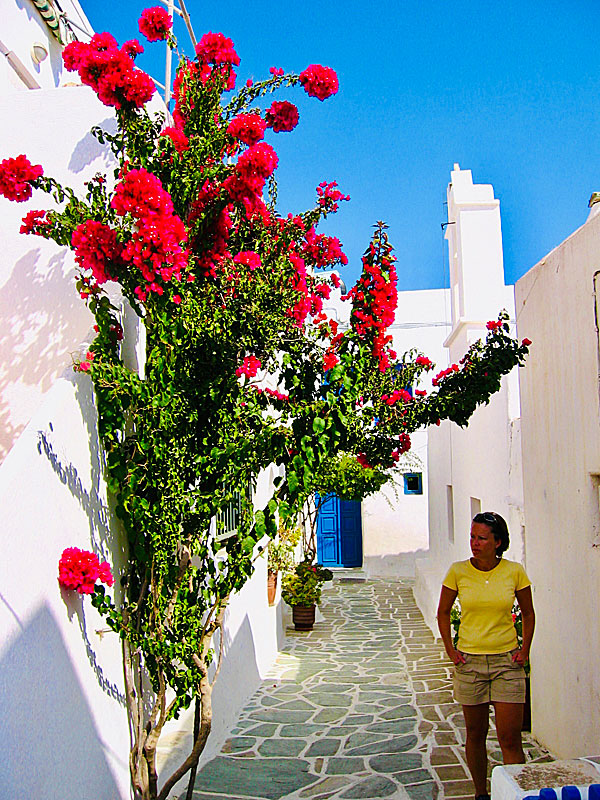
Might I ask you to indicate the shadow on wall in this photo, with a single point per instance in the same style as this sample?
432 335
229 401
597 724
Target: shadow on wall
60 751
42 323
103 523
401 565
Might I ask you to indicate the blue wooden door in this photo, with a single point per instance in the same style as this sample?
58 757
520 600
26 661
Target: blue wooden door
339 533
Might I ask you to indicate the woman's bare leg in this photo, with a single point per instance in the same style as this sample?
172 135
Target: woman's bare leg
477 722
509 721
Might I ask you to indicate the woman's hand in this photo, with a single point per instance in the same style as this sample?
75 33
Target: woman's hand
520 657
456 656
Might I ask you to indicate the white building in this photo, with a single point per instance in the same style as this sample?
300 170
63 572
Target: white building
475 468
558 309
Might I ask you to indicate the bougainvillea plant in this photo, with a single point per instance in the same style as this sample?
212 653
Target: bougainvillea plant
243 366
80 570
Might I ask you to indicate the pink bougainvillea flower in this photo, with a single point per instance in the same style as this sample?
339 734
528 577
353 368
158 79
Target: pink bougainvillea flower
249 367
277 72
282 116
494 325
178 137
155 23
319 81
329 196
526 342
34 222
79 570
423 361
132 48
259 160
329 361
248 128
217 49
96 249
16 175
362 460
110 71
249 258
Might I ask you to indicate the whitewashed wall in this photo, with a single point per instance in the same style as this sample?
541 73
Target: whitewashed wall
477 468
22 27
43 318
561 473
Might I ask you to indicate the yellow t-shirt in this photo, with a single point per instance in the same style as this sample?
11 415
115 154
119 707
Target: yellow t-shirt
486 601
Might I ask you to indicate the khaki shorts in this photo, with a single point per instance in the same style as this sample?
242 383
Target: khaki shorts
492 678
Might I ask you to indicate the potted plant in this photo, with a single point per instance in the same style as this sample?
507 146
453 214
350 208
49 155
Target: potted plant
302 591
280 558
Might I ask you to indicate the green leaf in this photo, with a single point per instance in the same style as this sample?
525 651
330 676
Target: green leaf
318 425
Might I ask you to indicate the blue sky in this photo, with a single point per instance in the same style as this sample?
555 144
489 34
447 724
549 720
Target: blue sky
508 90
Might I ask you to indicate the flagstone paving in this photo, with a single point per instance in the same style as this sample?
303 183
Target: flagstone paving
360 707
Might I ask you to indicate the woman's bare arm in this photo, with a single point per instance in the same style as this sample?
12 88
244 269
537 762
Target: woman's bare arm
525 601
447 598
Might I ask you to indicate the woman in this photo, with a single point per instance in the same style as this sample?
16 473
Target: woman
488 664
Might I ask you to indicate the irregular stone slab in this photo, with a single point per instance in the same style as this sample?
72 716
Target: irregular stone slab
323 747
414 776
360 739
281 716
422 791
328 785
394 745
359 719
322 699
373 786
205 796
299 730
269 701
397 762
452 772
458 789
443 755
329 715
400 712
340 765
394 727
238 744
266 729
335 688
342 730
297 705
269 778
282 747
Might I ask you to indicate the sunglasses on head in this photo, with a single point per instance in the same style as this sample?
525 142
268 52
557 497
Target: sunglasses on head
485 516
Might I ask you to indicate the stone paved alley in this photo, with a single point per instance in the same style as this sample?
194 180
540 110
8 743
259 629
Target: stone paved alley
361 707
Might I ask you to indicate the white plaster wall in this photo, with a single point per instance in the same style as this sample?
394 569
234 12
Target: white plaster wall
480 462
22 25
43 318
61 685
561 465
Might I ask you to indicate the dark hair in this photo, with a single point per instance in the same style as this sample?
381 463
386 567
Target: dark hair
498 527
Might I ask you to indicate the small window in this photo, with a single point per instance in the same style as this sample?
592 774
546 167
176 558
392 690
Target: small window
413 483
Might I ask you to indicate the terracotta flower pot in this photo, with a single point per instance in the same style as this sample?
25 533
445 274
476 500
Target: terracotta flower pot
303 617
271 587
